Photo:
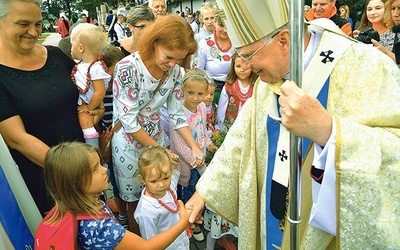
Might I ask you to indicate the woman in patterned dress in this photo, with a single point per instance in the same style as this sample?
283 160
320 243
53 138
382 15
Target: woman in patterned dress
143 82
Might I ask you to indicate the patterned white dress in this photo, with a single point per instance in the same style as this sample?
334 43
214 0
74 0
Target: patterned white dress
138 107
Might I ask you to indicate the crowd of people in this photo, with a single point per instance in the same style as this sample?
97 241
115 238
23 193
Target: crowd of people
169 85
374 27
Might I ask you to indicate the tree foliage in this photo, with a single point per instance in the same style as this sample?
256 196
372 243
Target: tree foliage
55 7
90 6
71 8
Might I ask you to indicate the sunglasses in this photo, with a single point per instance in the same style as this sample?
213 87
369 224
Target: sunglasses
139 26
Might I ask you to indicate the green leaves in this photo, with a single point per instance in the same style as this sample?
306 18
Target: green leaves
217 140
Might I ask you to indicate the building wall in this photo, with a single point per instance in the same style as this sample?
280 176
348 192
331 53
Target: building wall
187 3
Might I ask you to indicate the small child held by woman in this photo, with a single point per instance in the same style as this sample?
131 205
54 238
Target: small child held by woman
89 75
79 163
238 88
158 207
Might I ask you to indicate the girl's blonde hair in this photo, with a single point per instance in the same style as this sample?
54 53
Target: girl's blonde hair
196 74
231 77
67 174
347 9
388 13
91 36
154 156
211 83
218 18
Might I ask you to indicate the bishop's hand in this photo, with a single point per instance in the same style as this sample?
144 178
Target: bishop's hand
303 115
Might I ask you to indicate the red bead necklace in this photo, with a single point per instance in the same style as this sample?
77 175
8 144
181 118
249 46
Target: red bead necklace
219 45
163 204
88 76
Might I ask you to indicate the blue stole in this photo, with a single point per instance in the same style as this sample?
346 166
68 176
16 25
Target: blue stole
276 193
11 217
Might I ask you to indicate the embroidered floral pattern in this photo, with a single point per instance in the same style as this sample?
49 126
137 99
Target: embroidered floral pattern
215 52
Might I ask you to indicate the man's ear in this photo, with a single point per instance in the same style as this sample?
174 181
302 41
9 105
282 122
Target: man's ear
283 38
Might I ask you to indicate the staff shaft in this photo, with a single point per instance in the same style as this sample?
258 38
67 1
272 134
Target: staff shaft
296 74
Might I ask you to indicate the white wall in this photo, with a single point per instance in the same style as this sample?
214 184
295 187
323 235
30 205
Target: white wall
187 3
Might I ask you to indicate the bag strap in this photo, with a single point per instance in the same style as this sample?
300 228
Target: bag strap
116 126
79 216
90 217
163 77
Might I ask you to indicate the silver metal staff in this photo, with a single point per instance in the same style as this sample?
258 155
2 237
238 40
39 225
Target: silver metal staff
296 74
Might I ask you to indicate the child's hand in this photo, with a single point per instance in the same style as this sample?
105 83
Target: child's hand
217 132
212 147
98 115
184 213
83 109
174 157
198 158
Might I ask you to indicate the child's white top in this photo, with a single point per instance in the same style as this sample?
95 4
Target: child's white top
154 218
96 72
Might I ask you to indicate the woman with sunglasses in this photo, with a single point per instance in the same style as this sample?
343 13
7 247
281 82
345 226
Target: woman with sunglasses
137 20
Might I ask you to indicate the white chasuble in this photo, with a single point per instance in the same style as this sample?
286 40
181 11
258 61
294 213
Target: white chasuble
363 98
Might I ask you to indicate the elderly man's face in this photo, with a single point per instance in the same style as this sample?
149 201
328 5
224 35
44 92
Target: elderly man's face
269 59
321 7
159 8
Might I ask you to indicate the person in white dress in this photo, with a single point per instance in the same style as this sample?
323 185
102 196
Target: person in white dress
144 81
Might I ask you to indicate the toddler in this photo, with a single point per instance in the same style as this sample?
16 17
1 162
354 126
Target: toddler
89 75
158 207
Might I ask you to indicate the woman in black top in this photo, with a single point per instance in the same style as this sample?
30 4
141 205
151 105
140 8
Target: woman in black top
37 96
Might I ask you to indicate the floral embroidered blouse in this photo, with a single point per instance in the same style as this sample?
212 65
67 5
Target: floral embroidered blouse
212 60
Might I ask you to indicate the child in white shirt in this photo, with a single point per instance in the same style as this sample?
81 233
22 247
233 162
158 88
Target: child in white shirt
90 76
158 208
